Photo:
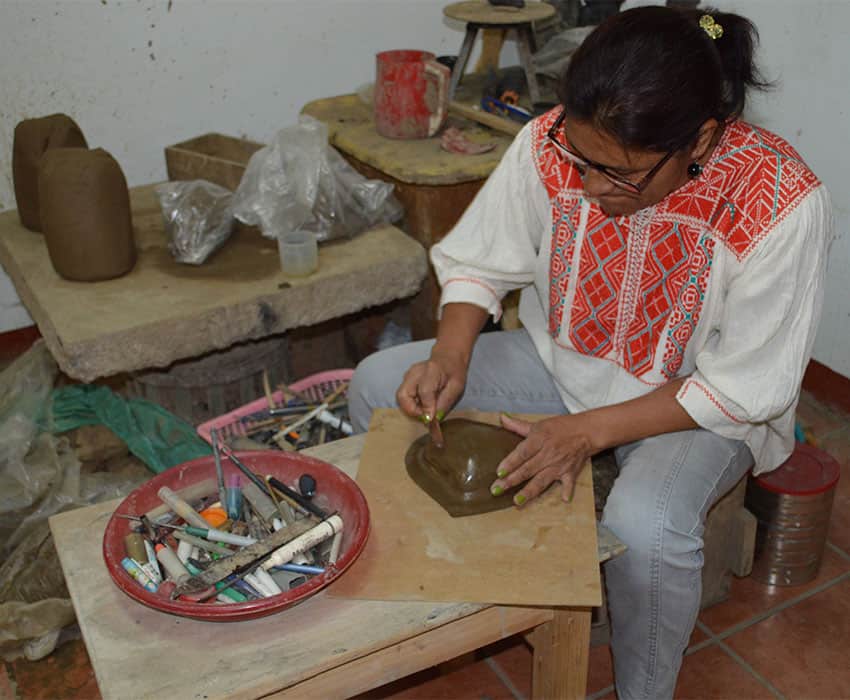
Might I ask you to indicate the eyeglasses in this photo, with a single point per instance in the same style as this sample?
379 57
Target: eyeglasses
582 163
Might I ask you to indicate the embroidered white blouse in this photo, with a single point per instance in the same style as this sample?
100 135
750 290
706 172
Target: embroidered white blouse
721 282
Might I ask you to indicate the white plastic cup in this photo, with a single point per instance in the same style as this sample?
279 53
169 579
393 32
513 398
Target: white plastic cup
299 253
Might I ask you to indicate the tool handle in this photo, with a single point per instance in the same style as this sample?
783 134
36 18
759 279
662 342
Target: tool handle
229 538
179 506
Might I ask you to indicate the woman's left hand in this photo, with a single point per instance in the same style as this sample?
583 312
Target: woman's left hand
554 449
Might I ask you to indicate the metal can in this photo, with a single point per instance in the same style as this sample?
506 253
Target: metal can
792 504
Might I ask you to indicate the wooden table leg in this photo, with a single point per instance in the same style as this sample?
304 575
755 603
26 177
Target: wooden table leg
462 57
561 650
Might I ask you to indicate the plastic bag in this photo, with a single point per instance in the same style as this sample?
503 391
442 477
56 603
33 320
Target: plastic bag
39 476
299 183
198 218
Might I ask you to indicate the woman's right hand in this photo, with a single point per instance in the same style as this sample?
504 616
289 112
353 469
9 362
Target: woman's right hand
431 388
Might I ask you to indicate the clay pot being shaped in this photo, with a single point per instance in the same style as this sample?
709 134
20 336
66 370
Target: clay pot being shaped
458 476
85 214
34 137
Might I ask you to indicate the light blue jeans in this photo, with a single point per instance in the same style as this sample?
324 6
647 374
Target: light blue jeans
657 506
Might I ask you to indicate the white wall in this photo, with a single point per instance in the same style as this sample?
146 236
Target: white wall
138 75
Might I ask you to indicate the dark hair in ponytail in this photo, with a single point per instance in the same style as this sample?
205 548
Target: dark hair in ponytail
651 76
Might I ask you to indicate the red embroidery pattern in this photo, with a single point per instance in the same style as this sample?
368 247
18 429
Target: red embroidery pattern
710 396
641 280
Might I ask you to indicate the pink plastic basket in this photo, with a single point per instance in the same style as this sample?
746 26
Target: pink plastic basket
238 421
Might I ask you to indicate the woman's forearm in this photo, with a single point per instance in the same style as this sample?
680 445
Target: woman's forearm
458 330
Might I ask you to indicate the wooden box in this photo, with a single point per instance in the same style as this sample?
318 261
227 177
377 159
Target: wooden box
215 157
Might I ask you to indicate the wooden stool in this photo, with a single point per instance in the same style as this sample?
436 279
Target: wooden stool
480 14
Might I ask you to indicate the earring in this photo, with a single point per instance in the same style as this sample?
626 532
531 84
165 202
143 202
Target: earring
694 170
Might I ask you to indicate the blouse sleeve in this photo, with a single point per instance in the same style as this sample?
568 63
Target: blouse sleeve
752 374
493 248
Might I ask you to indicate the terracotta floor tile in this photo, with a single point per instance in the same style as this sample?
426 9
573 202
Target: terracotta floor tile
838 445
802 651
472 682
818 418
64 675
749 598
600 672
7 688
516 660
712 673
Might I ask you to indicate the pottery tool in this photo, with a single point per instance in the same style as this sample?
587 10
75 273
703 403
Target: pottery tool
298 498
282 507
316 535
193 492
219 472
179 506
214 535
244 559
242 468
261 501
436 432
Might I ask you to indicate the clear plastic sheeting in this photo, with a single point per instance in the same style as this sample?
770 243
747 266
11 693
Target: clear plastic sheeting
300 183
39 477
198 218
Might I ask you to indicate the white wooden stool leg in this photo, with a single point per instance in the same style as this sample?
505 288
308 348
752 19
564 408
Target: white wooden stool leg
462 58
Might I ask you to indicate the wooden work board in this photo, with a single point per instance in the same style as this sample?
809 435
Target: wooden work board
542 554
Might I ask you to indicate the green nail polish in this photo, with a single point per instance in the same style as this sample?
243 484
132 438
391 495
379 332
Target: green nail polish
519 499
441 415
501 473
425 418
497 490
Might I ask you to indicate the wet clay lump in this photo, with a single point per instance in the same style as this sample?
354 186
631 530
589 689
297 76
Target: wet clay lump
85 214
458 476
33 138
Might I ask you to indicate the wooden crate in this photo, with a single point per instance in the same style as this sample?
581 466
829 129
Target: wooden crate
215 157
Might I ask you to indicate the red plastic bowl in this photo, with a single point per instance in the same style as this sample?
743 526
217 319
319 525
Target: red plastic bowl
336 493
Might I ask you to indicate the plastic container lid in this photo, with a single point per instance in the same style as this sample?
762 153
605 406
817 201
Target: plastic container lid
807 472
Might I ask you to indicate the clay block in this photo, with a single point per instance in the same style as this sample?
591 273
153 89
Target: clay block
85 214
33 137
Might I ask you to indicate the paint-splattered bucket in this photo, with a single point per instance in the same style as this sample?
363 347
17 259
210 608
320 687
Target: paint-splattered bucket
411 94
792 504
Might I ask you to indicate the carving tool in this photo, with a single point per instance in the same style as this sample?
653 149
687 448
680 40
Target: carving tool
210 547
282 507
298 498
193 492
179 506
219 472
242 468
243 560
316 535
214 535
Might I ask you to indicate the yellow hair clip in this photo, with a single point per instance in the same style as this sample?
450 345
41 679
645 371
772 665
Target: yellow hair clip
714 30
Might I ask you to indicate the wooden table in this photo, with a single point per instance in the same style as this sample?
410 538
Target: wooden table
323 648
163 311
434 186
